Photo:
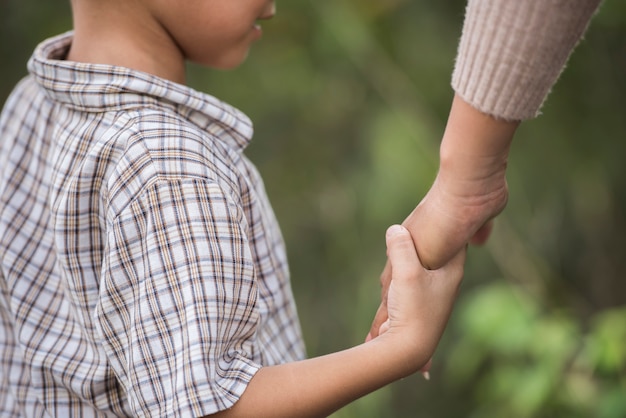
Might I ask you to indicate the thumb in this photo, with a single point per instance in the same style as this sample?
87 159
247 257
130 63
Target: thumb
401 252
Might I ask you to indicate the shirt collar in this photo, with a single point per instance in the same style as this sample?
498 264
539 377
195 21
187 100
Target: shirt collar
99 88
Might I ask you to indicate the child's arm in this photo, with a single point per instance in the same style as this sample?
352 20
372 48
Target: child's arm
419 302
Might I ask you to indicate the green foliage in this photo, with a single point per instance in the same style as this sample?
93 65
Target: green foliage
526 361
349 100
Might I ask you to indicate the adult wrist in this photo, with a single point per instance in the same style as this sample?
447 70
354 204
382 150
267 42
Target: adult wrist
475 148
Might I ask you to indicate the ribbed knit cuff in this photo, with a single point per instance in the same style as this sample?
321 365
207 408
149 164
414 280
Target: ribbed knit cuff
512 52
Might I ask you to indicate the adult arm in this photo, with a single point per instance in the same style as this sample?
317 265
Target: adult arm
470 187
510 54
420 302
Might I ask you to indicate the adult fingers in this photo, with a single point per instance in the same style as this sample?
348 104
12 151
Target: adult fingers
481 236
381 313
379 319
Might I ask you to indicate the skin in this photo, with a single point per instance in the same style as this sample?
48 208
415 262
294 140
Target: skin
469 191
157 37
419 305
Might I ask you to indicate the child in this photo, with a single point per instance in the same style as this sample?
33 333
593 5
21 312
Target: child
142 270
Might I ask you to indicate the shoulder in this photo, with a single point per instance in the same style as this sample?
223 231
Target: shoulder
155 145
26 87
25 98
24 116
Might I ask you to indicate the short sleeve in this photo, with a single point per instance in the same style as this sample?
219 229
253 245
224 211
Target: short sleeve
178 307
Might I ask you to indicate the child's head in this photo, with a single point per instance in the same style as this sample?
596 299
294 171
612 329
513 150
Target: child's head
142 34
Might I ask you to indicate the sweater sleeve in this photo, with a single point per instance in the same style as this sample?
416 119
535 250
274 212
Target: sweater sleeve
512 52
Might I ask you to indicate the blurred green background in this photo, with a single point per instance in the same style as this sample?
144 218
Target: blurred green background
349 100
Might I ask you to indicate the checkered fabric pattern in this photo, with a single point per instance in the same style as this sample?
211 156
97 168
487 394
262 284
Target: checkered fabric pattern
142 269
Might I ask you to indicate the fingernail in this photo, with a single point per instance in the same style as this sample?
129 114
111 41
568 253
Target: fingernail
426 375
395 230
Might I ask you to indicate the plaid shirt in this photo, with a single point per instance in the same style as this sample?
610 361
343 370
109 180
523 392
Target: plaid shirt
142 269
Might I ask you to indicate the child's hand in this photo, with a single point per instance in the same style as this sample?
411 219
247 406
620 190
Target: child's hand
419 301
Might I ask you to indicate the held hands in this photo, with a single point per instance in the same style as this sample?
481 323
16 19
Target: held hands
441 226
456 210
418 301
469 191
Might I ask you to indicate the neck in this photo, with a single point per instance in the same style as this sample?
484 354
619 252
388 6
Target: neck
126 37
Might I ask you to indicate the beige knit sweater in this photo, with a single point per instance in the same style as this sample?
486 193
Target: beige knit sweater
512 51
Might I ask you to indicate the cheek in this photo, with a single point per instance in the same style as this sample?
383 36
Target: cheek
220 52
217 35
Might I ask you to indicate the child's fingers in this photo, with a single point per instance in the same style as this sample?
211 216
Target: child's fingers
401 252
